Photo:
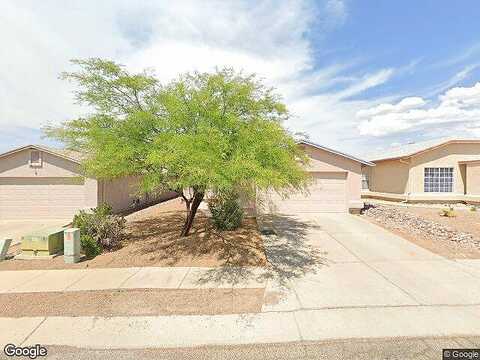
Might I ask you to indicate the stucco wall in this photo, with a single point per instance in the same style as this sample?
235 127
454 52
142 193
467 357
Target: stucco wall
389 176
17 165
121 194
325 161
56 189
473 178
445 156
407 176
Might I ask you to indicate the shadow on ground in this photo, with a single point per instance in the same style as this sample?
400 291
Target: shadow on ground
288 255
159 240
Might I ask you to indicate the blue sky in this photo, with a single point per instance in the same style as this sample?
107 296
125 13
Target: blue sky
356 75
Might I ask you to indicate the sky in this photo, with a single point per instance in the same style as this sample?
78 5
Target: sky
357 75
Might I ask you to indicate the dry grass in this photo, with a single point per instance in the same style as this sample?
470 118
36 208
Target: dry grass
153 240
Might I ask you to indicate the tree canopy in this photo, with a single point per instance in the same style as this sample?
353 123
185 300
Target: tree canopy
202 132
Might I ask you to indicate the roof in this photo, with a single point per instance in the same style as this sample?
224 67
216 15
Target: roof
71 155
414 148
468 161
321 147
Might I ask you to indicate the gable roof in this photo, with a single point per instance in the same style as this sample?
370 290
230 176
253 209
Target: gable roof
321 147
411 149
71 155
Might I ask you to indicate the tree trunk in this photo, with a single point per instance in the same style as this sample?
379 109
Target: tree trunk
191 212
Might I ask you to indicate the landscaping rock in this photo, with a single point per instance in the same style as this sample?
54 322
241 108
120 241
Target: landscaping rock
395 218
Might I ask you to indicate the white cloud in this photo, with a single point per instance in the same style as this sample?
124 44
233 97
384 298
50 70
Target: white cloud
453 80
265 37
368 81
458 107
403 105
171 37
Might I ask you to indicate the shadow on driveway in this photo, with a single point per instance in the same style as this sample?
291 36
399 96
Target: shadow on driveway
288 253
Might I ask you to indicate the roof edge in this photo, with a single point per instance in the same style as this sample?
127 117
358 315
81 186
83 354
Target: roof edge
40 148
348 156
459 141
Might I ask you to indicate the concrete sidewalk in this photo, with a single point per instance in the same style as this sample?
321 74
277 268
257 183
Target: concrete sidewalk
368 283
276 327
27 281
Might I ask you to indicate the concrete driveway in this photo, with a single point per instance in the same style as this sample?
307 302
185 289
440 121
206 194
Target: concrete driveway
330 276
364 265
15 229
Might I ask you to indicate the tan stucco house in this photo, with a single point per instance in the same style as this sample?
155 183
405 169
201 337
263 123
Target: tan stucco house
38 182
442 170
336 184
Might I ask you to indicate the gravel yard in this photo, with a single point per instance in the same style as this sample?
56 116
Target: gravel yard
452 237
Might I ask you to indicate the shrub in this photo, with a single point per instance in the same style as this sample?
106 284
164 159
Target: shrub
90 246
473 208
103 210
448 212
110 230
101 225
227 213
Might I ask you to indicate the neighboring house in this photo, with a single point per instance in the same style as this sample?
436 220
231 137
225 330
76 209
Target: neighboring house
336 185
38 182
437 170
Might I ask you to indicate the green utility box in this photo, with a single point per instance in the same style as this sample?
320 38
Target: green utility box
45 242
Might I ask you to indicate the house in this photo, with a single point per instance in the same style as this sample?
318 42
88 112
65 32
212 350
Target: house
39 182
441 170
336 185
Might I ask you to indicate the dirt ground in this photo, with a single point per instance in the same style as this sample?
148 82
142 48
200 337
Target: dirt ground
465 221
421 348
153 240
138 302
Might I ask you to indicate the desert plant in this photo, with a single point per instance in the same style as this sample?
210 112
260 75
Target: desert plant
90 246
104 227
103 210
227 213
448 212
200 131
473 208
110 230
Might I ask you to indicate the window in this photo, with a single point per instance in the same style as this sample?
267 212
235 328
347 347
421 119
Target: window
438 179
35 158
365 182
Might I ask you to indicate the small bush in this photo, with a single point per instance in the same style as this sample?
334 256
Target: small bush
90 246
227 213
103 210
448 212
101 225
473 208
110 230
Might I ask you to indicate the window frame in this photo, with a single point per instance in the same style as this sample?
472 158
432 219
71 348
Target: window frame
365 181
438 180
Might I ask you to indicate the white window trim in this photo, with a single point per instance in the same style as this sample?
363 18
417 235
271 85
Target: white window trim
439 192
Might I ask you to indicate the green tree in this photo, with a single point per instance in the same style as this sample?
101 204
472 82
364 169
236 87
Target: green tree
201 132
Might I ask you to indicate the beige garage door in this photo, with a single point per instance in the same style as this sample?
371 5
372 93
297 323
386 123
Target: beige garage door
326 194
40 198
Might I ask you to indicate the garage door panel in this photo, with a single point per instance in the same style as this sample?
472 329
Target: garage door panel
327 193
36 198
